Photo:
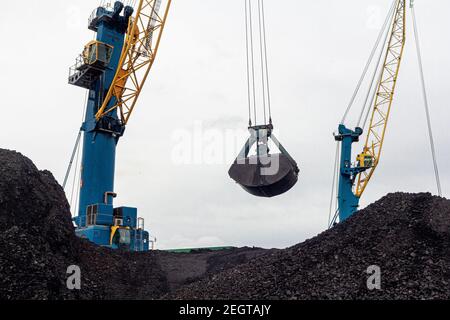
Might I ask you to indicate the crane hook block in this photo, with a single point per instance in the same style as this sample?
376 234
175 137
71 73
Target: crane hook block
264 174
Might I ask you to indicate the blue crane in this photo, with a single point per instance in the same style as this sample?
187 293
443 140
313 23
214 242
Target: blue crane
113 68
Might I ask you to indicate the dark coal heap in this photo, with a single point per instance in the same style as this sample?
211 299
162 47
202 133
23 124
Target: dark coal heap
406 235
38 244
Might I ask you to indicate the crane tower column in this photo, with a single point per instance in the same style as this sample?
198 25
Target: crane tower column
347 200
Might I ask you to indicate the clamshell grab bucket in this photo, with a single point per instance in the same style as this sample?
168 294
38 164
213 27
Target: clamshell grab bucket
264 175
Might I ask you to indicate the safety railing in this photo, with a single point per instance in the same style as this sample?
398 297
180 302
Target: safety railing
79 62
105 6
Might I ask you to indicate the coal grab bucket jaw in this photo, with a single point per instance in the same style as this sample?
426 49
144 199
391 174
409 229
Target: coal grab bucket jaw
264 175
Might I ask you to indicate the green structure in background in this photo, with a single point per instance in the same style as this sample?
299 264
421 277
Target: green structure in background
199 249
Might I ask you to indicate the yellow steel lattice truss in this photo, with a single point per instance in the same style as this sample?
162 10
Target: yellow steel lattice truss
384 96
138 54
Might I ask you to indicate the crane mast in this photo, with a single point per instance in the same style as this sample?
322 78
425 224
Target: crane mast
354 177
113 68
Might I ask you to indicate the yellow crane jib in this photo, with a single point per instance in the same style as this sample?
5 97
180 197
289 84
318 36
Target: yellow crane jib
383 100
138 55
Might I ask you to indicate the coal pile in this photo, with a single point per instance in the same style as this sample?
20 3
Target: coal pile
406 235
35 231
38 244
185 268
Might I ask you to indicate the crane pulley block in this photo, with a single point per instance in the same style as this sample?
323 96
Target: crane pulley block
264 174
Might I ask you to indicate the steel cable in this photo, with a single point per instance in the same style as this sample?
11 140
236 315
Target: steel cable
426 103
253 102
248 66
373 85
333 185
269 102
75 156
367 66
250 20
262 61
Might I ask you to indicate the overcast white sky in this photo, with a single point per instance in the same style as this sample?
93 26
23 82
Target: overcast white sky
317 50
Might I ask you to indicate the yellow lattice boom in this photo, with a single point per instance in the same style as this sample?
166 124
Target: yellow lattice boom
138 55
384 97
